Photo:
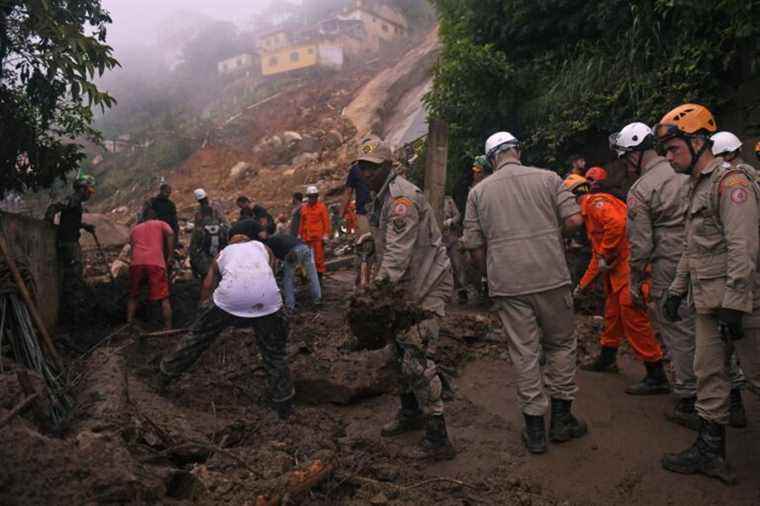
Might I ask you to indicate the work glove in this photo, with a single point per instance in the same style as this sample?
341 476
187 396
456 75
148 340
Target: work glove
577 291
730 323
448 223
89 227
670 307
604 265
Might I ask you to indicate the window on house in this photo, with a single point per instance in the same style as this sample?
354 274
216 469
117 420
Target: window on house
273 61
385 28
295 56
311 50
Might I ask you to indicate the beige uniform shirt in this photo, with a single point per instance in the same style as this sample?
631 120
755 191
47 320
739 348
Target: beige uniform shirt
719 264
409 243
657 204
517 214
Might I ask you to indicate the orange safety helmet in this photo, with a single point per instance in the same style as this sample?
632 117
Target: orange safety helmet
757 150
596 174
577 184
685 120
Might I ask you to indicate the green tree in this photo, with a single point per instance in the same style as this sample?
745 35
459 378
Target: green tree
50 53
563 74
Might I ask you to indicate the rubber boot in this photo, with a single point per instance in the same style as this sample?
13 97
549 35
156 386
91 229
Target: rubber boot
435 445
284 409
409 417
684 413
534 434
737 417
606 361
654 383
706 456
564 426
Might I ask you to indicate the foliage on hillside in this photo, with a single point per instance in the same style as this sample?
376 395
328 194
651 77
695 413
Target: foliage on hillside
50 53
560 73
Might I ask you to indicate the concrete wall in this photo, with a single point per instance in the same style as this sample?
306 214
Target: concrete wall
34 240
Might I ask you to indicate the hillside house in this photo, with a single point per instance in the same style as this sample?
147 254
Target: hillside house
236 64
301 56
381 23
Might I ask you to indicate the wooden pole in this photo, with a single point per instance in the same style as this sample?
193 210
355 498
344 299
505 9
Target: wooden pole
435 166
47 342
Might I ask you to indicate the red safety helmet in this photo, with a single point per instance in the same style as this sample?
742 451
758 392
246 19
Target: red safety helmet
596 174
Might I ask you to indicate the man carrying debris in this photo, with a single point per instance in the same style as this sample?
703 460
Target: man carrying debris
605 219
152 244
413 256
246 297
67 238
250 210
210 235
513 228
314 228
657 205
719 272
295 213
293 254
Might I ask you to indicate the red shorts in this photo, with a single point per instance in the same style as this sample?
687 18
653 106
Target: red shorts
157 283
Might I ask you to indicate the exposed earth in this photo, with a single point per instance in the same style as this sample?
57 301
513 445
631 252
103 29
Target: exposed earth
211 438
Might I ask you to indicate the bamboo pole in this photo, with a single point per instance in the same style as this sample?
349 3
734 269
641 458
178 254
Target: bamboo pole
47 342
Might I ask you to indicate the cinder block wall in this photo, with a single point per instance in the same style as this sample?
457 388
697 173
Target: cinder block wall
34 240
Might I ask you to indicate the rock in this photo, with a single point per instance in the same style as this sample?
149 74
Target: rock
109 233
379 499
310 144
291 138
240 170
333 139
305 158
120 210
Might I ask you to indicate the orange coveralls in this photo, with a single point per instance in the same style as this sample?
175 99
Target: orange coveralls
350 216
315 225
605 217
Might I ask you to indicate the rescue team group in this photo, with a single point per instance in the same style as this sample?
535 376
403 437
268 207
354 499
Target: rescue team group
679 254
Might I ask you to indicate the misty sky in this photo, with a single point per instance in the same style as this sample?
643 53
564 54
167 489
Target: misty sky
137 19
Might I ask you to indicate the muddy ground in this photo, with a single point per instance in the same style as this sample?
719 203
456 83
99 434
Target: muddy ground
211 438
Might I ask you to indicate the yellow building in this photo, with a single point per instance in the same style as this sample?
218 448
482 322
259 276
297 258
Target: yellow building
287 59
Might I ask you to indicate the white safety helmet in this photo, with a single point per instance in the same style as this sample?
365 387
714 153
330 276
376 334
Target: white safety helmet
200 194
499 141
724 143
312 190
633 137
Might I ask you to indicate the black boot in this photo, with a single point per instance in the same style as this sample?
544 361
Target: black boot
284 409
534 434
706 456
564 426
435 445
654 383
409 417
737 416
606 361
684 413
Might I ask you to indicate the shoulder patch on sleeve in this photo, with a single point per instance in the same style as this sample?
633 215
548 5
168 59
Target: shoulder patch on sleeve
401 206
739 195
733 180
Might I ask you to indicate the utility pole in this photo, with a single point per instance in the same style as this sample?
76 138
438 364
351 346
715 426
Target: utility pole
435 166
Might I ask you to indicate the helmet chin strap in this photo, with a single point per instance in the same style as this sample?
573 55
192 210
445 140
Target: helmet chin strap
695 155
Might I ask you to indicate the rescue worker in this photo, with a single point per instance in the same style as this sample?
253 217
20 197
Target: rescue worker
605 218
479 170
248 209
73 289
465 280
727 146
577 165
314 229
295 213
513 228
595 174
411 254
718 270
163 206
209 237
208 207
657 204
246 297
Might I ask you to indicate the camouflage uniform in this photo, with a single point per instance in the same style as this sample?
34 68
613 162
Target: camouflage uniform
719 269
202 253
657 205
271 341
411 253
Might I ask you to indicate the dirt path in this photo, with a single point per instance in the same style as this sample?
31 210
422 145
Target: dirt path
618 463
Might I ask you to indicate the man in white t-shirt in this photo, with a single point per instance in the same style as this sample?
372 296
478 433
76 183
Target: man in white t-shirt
247 296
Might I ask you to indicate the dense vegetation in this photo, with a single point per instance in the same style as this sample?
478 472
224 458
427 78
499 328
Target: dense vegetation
562 74
50 52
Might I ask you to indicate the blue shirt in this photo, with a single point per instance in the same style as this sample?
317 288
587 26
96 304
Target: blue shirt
356 182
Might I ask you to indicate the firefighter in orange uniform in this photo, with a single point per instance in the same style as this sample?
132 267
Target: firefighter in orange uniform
315 227
605 217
